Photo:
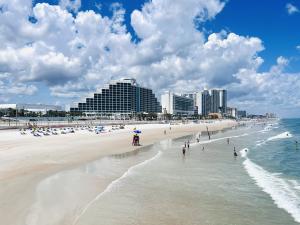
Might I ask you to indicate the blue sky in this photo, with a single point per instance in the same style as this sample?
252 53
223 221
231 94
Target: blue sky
248 47
267 20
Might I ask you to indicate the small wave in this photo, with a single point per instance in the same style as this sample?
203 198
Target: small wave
218 139
269 127
261 142
284 193
281 136
244 152
113 184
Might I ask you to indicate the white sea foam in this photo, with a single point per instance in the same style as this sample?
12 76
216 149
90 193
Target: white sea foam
261 142
244 152
113 185
285 193
281 136
218 139
269 127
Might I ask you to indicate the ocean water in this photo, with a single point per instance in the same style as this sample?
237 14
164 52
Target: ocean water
274 163
208 186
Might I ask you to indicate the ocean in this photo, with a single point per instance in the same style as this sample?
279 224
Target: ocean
208 186
274 163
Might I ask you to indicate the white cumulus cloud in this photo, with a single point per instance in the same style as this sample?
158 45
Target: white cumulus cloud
76 52
71 5
291 9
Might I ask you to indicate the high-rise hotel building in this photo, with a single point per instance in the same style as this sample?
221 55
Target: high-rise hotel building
120 97
177 104
209 101
218 98
213 101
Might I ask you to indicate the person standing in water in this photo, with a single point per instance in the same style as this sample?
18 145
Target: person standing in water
188 144
234 152
183 150
185 144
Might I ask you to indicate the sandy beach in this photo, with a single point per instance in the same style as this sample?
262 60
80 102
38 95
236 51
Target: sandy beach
26 160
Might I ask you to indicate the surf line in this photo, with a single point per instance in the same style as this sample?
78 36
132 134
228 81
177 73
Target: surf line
284 195
218 139
112 184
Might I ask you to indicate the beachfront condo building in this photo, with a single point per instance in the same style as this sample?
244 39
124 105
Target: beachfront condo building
209 101
177 104
120 97
41 108
213 101
197 97
232 112
242 114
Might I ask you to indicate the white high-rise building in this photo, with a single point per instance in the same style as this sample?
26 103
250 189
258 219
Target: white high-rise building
197 97
232 112
177 104
31 107
209 101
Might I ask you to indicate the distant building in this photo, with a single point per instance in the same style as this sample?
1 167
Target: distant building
197 97
270 115
206 103
120 97
31 107
176 104
242 114
211 101
223 101
232 112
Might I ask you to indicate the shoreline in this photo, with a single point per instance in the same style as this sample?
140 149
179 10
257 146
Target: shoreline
28 153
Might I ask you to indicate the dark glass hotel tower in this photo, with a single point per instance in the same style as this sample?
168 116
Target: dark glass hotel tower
121 97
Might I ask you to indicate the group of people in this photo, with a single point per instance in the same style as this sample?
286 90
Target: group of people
165 131
185 146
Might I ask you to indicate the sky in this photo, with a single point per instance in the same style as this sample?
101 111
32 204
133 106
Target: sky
61 51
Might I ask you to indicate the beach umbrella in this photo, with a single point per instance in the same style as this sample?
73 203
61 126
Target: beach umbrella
137 131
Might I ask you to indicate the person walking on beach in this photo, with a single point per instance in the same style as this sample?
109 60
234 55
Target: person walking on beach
165 132
228 141
208 133
185 144
188 144
202 148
